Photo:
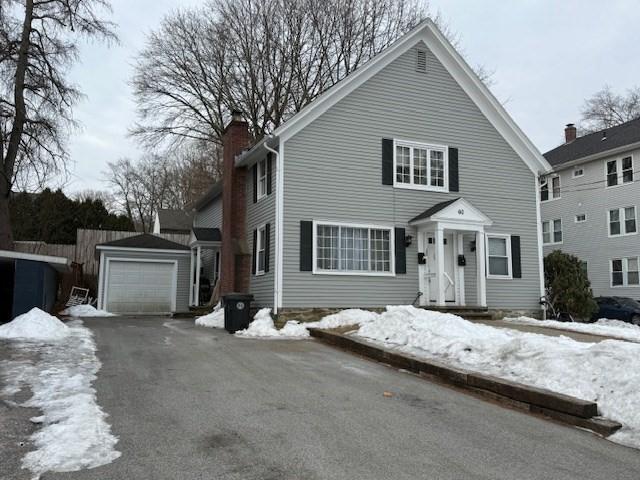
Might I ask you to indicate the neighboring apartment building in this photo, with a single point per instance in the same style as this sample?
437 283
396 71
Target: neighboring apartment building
590 204
407 182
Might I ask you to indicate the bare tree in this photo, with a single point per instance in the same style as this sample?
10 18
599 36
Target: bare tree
607 109
38 43
268 58
153 182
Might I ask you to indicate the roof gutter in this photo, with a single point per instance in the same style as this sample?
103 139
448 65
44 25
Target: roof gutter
255 153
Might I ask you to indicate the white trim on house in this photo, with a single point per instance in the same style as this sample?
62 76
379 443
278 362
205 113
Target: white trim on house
552 232
365 273
622 220
619 172
411 145
428 33
540 247
279 224
507 241
256 260
261 180
104 301
624 271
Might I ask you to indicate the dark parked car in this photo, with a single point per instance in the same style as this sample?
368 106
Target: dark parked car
618 308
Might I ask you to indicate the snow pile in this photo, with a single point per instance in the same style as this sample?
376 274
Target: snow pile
352 316
607 372
85 311
604 326
74 433
214 319
263 326
35 325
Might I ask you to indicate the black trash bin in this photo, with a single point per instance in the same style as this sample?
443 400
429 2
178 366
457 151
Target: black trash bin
237 314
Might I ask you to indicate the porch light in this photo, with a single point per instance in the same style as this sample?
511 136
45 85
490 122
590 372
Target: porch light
408 239
472 246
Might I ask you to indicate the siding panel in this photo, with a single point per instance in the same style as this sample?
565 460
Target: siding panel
333 173
590 241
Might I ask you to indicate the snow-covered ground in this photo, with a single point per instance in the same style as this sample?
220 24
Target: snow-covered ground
214 319
607 372
59 371
85 311
262 326
604 326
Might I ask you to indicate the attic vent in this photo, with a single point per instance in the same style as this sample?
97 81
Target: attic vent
421 61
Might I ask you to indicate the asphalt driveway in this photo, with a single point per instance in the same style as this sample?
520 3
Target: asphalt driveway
193 403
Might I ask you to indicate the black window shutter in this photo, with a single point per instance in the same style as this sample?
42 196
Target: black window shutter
254 171
306 246
516 264
454 182
267 246
254 258
401 251
387 161
269 173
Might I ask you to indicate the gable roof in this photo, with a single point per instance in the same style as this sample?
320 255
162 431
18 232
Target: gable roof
145 241
427 32
435 209
625 134
177 220
214 192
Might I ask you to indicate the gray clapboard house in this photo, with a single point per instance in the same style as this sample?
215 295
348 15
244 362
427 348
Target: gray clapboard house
406 182
590 206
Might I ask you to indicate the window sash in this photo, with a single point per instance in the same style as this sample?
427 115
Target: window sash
619 171
262 178
622 221
498 256
552 232
581 217
625 272
261 242
420 166
555 186
355 249
551 189
612 173
627 169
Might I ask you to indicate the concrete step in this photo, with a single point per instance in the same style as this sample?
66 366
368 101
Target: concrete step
469 312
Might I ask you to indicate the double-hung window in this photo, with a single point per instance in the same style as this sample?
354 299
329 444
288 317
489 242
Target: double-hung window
622 221
353 249
550 189
619 171
420 166
262 178
499 256
261 255
552 232
624 272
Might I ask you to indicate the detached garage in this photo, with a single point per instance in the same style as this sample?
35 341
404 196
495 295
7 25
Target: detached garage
144 274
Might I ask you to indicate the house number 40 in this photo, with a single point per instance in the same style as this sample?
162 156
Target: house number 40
461 212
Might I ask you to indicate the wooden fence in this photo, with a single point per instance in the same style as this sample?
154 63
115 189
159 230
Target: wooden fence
84 251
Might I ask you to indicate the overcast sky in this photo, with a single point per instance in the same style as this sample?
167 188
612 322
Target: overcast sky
547 55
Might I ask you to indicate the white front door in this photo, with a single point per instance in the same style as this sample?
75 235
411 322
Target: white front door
428 269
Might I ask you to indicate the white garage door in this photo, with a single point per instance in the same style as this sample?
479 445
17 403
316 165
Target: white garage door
139 287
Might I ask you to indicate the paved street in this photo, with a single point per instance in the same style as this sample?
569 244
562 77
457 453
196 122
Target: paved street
194 403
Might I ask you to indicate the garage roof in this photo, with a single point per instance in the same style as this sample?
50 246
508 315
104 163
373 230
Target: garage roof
144 241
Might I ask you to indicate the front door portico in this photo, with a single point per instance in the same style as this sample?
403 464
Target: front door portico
441 232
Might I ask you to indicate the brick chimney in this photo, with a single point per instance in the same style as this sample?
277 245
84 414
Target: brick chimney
236 257
570 133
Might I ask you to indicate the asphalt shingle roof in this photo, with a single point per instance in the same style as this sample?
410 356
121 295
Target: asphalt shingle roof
207 234
213 193
146 240
593 143
433 210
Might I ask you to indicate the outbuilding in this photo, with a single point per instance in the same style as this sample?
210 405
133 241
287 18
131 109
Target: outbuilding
144 274
28 280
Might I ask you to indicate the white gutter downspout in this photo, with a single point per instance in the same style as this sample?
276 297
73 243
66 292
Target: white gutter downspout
540 246
277 283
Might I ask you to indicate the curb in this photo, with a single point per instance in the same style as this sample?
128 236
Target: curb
563 408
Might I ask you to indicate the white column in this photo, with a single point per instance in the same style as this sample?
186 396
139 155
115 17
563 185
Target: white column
439 239
482 269
101 281
192 279
460 270
198 263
